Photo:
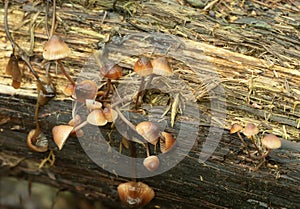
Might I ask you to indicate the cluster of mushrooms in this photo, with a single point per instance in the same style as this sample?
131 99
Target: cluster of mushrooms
262 145
96 102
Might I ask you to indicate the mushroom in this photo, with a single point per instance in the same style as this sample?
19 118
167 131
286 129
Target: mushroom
86 89
250 130
60 134
56 49
149 131
151 163
96 118
166 142
12 68
37 141
135 194
110 114
110 71
270 142
143 68
161 66
237 128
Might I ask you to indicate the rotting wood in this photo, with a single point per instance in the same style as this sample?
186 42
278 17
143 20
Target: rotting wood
266 77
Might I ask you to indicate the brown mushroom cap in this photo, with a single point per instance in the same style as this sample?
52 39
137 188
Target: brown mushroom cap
96 118
110 114
111 71
151 163
270 141
135 194
60 134
41 144
250 130
149 131
143 67
56 49
86 89
161 66
236 128
167 142
12 68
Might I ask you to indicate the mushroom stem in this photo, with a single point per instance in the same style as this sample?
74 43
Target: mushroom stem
65 73
244 143
46 18
53 19
140 91
147 149
81 125
37 124
108 89
256 147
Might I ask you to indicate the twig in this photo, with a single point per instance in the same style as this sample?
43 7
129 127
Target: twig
22 53
53 19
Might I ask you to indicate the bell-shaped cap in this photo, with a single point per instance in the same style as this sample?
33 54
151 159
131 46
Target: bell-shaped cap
135 194
56 49
149 131
151 163
235 128
12 68
60 134
37 141
86 89
96 118
111 71
270 141
110 114
250 130
143 67
161 66
166 142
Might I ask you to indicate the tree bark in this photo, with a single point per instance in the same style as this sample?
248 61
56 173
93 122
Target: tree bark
242 65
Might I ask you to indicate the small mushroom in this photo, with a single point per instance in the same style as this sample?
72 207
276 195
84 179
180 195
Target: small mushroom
149 131
250 130
110 114
166 142
12 68
86 89
270 142
96 118
60 134
55 49
151 163
37 141
143 68
110 71
135 194
236 128
161 66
